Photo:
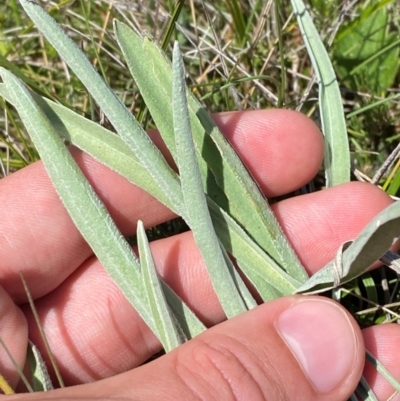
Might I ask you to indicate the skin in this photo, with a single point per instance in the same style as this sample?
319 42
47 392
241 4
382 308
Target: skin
274 352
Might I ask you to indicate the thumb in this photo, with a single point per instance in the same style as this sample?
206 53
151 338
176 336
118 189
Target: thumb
294 348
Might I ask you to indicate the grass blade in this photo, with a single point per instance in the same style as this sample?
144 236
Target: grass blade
41 372
122 120
372 105
166 324
267 291
223 174
4 386
337 152
198 217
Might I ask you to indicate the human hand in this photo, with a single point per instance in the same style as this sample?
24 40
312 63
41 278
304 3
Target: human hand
94 333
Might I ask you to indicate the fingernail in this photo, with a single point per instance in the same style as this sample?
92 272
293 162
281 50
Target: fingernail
321 337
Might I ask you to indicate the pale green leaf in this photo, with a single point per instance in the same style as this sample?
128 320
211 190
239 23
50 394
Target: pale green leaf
85 208
109 149
99 150
105 145
41 380
120 117
167 327
97 141
244 292
224 177
187 320
198 216
370 245
87 211
251 258
337 152
266 290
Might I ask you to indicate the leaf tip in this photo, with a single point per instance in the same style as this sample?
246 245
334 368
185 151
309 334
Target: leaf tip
140 226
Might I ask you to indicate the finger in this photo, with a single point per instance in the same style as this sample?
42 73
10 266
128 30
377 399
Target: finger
284 350
265 140
14 338
55 246
318 223
100 334
383 342
180 264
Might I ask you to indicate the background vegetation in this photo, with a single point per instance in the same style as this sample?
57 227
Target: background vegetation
239 55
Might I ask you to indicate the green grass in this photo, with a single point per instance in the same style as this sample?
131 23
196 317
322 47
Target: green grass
239 55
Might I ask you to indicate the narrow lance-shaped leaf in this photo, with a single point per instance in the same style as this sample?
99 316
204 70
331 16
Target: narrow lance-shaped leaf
109 149
100 143
120 117
244 292
371 244
169 333
74 57
85 208
115 254
337 152
268 278
229 184
187 319
198 216
251 258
